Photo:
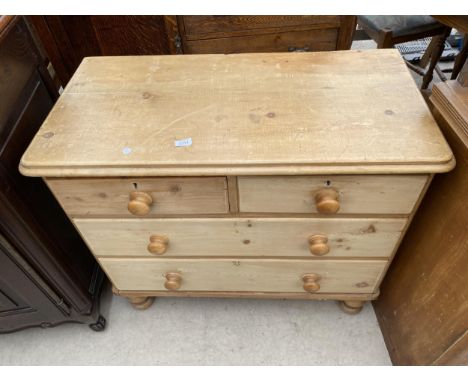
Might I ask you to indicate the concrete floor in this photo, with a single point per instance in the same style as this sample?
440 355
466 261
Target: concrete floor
207 332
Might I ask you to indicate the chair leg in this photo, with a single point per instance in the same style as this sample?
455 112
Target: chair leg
385 39
462 78
461 58
438 48
427 54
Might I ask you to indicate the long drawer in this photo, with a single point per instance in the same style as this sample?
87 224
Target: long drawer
269 237
244 275
196 27
164 195
309 40
354 194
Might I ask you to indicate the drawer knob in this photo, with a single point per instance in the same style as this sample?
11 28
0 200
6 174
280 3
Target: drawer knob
158 244
318 245
139 203
173 281
327 201
311 282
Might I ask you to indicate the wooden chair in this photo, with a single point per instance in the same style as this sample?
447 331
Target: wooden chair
387 31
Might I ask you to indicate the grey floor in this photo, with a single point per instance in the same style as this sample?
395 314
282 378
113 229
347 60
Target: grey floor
210 332
207 332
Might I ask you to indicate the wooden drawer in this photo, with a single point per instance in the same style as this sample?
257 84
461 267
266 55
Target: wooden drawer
169 195
238 237
245 275
199 26
367 194
308 40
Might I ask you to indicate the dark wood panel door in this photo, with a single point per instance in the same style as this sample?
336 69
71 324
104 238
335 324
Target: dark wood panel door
47 274
30 214
25 300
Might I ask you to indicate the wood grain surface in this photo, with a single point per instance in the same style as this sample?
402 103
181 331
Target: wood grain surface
368 194
423 307
263 295
267 237
244 275
313 40
171 195
451 100
298 113
198 27
253 34
19 62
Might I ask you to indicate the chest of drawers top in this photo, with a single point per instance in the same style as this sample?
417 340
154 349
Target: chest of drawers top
347 112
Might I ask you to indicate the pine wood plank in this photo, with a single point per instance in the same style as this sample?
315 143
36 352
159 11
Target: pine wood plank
357 194
263 295
171 195
244 275
300 113
268 237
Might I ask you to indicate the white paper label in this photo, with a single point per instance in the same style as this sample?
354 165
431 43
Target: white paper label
183 142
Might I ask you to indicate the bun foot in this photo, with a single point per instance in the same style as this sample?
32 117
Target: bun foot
141 303
351 306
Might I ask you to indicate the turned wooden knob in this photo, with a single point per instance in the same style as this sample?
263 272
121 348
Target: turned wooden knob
327 201
311 282
158 244
173 281
140 203
318 245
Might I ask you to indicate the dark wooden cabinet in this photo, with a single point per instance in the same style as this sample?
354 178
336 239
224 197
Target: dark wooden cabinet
68 39
47 275
25 299
248 34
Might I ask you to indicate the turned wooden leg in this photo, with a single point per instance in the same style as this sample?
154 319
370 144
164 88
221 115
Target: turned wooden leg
351 306
141 303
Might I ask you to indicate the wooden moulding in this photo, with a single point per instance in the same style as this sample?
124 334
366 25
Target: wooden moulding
238 170
263 295
451 100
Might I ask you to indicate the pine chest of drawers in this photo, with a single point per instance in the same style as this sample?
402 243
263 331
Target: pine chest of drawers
285 175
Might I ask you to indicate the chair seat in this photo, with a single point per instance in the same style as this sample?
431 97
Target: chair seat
400 25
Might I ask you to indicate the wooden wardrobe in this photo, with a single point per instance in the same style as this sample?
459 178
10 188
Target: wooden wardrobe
47 275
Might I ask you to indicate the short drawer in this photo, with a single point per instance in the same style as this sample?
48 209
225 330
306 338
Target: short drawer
241 237
366 194
148 196
245 275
